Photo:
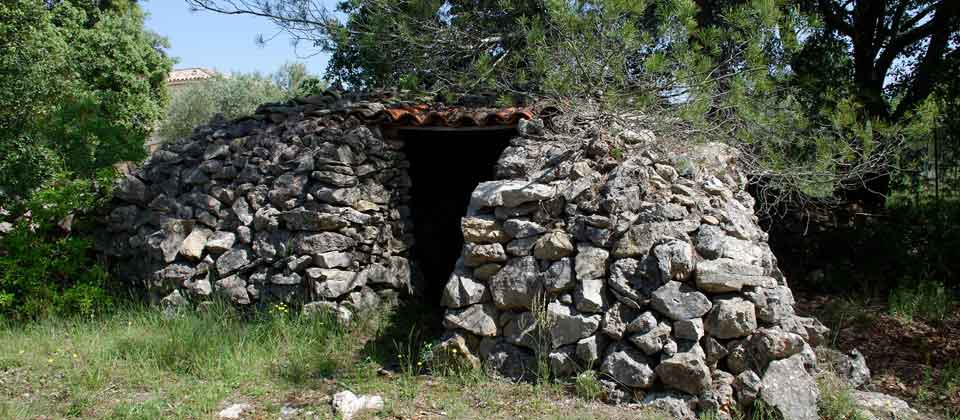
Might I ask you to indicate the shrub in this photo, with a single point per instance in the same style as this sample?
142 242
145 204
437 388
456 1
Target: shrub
46 269
836 403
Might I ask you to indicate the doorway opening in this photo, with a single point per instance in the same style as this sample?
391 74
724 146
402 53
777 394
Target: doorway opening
445 167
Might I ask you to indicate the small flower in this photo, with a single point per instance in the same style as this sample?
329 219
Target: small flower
21 351
49 360
75 356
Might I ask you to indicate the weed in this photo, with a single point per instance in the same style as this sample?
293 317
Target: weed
616 153
836 401
588 386
927 300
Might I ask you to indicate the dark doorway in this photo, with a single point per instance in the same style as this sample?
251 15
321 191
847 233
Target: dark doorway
445 167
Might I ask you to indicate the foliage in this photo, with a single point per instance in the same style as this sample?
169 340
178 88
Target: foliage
44 271
928 300
836 401
588 386
234 96
67 107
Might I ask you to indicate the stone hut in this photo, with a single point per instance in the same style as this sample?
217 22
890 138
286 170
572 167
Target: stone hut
585 245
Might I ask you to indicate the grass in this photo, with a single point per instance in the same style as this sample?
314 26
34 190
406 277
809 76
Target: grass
836 401
136 364
927 300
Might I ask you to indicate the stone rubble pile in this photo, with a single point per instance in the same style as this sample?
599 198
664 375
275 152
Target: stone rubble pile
650 269
275 208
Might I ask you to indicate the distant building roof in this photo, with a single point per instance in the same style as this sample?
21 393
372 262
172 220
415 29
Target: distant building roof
180 76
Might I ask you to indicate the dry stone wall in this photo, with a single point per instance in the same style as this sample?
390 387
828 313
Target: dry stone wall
276 208
649 268
638 259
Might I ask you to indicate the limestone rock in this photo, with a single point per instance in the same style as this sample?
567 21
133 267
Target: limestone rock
788 387
731 318
727 275
678 301
461 291
686 372
628 366
591 262
192 246
475 255
477 319
483 230
346 404
553 246
516 284
220 242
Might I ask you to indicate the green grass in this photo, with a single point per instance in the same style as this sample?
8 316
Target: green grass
135 364
927 300
836 401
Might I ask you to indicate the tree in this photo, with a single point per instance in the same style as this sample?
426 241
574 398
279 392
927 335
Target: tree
233 97
81 86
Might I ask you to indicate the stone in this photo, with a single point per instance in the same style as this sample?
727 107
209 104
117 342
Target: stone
483 230
290 279
333 259
462 291
553 246
266 219
338 313
567 326
508 194
235 411
731 318
652 341
174 233
192 246
521 247
642 323
509 360
589 296
628 366
676 405
615 320
678 301
787 387
516 284
323 242
588 350
475 255
768 344
726 275
522 228
686 372
287 186
346 404
747 386
850 366
232 260
477 319
302 219
688 329
710 241
559 276
220 242
333 283
215 151
453 351
562 361
590 262
131 189
674 259
877 406
774 304
640 238
242 210
486 272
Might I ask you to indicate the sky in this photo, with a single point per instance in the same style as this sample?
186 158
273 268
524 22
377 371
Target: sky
221 42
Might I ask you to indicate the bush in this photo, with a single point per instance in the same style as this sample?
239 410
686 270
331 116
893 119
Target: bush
46 269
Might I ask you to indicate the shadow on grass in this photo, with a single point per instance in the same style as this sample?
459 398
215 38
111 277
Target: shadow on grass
403 335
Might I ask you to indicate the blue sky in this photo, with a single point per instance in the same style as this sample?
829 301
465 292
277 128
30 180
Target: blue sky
225 43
